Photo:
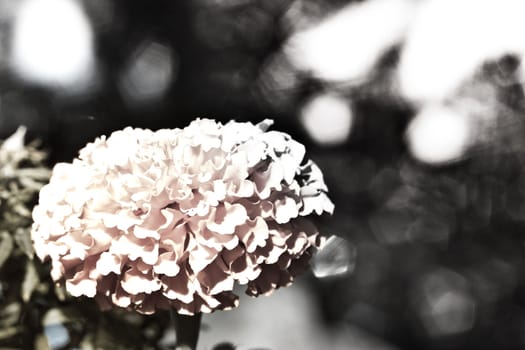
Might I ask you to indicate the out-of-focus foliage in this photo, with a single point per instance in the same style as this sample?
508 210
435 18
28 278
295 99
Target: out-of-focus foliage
34 312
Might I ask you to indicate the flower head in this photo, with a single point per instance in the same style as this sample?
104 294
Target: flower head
176 218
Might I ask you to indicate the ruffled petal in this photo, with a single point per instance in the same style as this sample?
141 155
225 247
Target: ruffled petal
176 218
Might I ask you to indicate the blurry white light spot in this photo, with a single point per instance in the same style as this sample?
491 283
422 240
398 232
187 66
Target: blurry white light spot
336 257
52 43
345 46
450 39
149 73
447 306
328 119
439 135
451 312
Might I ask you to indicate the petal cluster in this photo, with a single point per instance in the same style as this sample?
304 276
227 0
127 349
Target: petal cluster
176 218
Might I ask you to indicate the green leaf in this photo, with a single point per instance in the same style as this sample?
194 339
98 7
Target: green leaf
8 332
34 173
41 343
6 247
55 315
23 241
30 282
87 342
60 292
10 315
112 335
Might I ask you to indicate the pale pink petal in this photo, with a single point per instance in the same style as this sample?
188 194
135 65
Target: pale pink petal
253 234
121 298
167 265
285 209
134 282
226 218
200 257
80 284
108 263
178 287
141 232
214 280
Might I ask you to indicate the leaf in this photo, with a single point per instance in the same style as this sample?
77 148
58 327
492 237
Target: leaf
10 315
30 282
41 343
23 241
21 210
56 315
112 335
60 292
34 173
8 332
6 247
87 342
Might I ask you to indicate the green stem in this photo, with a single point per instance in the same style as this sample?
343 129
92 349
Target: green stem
186 330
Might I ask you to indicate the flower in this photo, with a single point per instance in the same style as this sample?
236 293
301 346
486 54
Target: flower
175 218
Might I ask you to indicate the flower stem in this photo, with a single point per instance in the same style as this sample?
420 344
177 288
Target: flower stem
186 330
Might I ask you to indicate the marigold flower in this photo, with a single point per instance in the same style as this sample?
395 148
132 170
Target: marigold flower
175 218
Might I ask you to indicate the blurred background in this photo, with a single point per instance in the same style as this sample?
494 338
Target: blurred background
413 109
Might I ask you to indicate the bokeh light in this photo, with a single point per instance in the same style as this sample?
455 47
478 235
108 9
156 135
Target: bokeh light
449 40
446 304
328 119
346 45
52 44
439 134
149 73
